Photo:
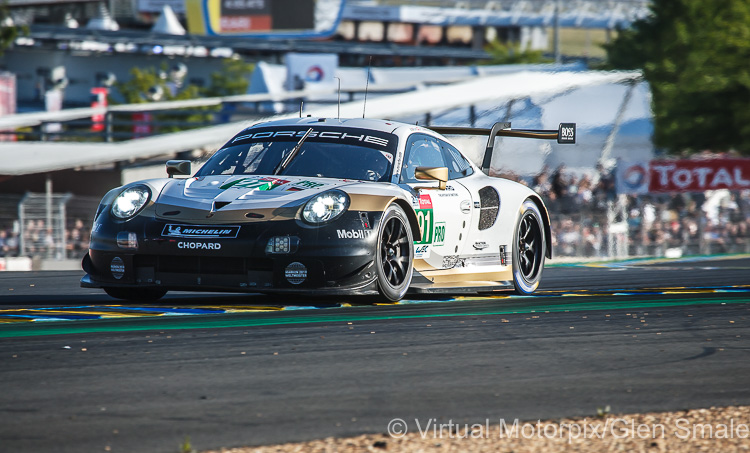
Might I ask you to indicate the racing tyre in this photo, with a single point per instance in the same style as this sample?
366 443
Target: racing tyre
529 249
395 254
136 294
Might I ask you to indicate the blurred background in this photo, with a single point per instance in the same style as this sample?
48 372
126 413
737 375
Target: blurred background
95 94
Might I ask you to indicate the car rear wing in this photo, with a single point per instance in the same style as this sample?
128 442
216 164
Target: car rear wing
565 134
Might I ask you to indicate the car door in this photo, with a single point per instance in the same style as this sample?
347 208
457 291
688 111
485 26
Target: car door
444 216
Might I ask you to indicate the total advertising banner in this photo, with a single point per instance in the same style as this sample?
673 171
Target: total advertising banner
307 70
670 176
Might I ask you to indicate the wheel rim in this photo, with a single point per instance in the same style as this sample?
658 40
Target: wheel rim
394 252
529 246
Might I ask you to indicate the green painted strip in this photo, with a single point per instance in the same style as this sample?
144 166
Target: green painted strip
348 315
648 260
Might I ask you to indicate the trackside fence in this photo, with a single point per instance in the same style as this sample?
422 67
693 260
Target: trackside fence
57 227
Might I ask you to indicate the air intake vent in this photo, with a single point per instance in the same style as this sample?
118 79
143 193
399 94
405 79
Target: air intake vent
490 206
220 204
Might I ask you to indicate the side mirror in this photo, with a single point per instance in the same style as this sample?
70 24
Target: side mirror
178 167
433 174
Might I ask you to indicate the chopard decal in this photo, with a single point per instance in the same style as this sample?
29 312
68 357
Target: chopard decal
199 245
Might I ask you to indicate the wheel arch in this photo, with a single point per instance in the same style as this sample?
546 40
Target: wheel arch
412 216
547 228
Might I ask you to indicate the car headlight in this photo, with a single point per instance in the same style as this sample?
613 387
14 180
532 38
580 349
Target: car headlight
130 201
325 207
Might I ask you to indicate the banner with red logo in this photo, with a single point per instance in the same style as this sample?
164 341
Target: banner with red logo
699 175
670 176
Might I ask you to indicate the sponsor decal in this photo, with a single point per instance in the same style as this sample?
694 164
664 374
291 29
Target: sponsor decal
335 135
438 236
480 245
447 194
477 205
117 267
353 234
201 231
265 183
425 202
422 252
302 185
450 261
425 219
566 133
295 273
466 207
199 245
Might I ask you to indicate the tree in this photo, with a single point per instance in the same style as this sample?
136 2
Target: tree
8 31
694 54
150 84
232 79
511 54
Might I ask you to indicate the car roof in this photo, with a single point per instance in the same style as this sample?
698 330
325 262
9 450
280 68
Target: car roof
359 123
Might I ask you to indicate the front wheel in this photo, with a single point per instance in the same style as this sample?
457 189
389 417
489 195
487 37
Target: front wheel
395 254
529 249
136 294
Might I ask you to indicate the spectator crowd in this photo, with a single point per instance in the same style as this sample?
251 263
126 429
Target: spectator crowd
584 210
40 241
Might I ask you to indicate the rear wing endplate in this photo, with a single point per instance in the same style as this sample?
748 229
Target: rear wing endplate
565 134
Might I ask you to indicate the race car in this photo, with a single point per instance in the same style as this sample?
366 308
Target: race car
321 206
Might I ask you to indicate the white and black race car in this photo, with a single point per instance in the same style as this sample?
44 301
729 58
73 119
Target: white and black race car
320 206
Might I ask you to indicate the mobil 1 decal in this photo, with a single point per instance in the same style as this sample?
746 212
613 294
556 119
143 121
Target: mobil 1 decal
426 220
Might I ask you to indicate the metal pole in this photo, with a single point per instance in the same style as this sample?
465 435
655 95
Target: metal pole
48 208
108 118
558 56
605 158
22 225
63 220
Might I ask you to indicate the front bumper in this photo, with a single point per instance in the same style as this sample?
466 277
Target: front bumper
336 258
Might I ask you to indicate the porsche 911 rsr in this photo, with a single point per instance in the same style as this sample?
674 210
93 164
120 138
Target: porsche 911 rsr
317 206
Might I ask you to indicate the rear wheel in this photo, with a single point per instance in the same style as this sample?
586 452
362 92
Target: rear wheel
136 294
395 254
529 249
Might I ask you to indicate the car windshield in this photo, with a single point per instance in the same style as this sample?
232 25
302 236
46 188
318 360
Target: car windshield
342 153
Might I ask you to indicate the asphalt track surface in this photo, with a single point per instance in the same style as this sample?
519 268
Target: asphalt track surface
645 336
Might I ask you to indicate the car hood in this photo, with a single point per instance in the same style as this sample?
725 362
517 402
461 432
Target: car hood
234 198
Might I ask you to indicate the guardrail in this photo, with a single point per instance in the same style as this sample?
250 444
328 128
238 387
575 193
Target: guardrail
12 122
